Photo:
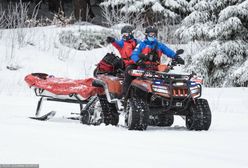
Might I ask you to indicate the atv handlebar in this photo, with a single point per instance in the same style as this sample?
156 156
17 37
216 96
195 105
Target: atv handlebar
176 61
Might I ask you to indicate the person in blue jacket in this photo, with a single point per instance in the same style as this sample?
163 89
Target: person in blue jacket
150 50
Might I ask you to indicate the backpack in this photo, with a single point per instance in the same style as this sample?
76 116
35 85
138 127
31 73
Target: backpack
109 64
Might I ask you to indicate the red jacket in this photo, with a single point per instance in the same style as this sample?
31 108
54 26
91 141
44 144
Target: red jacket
125 48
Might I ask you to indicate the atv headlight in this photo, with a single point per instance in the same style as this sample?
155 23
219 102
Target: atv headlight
136 72
196 80
195 91
178 84
160 89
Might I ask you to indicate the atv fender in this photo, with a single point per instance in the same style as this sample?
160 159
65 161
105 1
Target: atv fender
111 84
110 98
98 83
143 85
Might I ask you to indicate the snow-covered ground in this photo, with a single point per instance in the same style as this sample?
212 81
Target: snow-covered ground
64 143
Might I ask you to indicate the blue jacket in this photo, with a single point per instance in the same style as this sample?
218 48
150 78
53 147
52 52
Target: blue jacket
146 47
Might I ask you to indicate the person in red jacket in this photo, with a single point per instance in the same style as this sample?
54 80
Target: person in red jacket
126 45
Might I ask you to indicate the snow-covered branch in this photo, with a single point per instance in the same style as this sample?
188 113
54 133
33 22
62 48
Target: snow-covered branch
196 17
227 29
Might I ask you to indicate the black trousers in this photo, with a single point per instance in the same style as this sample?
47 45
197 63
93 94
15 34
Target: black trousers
127 79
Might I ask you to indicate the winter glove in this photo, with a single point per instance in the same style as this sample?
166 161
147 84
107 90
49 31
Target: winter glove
121 64
179 60
141 63
115 63
153 58
110 39
143 57
118 64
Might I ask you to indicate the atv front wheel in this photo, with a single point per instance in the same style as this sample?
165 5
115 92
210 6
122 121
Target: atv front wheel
137 114
199 117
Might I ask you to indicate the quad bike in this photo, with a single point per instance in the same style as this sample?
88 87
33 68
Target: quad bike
154 98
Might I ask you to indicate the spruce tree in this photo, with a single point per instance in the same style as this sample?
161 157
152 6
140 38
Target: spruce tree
223 26
165 14
154 11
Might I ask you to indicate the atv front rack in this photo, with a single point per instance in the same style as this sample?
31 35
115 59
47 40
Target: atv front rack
158 75
175 90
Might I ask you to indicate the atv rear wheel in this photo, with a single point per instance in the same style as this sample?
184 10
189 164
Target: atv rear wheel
92 115
85 117
136 114
109 111
199 117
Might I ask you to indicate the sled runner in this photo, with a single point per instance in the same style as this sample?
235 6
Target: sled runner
44 117
50 88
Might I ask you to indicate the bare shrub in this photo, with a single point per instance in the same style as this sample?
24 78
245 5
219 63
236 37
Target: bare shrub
114 15
84 39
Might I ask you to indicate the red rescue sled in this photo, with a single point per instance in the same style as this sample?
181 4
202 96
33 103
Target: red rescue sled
52 88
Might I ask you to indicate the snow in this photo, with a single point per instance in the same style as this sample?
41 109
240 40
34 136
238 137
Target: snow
196 17
202 6
131 9
171 3
157 7
64 143
46 55
240 10
226 28
147 2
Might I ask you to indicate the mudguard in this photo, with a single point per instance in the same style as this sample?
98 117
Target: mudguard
144 85
112 83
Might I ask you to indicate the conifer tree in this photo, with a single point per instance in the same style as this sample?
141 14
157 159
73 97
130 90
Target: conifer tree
224 26
154 11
